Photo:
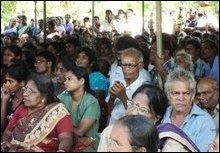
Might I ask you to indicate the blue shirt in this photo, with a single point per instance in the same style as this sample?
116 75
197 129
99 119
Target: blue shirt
198 125
98 81
199 68
214 69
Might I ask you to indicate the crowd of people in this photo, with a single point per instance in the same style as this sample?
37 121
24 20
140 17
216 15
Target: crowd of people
109 91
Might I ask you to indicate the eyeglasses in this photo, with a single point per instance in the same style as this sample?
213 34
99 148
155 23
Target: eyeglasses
113 144
129 65
141 110
28 91
186 94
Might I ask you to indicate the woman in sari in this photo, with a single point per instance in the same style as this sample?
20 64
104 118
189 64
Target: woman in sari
42 123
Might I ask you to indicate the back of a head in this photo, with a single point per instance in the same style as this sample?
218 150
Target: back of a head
142 132
18 71
167 42
67 62
125 42
73 40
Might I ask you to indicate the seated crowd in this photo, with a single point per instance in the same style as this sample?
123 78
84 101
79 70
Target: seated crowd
110 93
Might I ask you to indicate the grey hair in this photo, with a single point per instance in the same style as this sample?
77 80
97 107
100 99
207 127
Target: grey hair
179 74
134 51
187 58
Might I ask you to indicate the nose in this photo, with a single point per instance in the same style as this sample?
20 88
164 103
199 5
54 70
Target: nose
181 96
200 96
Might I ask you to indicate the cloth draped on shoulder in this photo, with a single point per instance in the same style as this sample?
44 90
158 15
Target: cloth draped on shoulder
173 139
23 29
34 128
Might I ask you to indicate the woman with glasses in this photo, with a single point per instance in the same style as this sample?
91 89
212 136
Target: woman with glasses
133 133
148 100
41 124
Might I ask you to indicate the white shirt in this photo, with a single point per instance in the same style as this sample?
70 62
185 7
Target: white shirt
119 109
116 74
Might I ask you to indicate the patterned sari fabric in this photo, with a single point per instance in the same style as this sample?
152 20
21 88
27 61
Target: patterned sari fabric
31 131
173 139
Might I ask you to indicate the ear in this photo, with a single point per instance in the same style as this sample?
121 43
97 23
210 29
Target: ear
140 65
82 81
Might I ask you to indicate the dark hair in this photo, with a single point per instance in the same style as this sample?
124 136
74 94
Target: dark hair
158 101
103 67
195 42
73 40
45 85
81 72
16 50
167 42
108 11
18 71
197 34
67 62
48 56
211 44
86 19
125 42
29 46
105 41
91 55
142 132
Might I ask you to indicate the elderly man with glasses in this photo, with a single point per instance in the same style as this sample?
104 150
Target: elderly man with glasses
123 88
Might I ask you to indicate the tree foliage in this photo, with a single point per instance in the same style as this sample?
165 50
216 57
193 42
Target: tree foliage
7 10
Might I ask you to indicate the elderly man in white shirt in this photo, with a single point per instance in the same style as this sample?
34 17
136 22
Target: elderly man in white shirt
124 87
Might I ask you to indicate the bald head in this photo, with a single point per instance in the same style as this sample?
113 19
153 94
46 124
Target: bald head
208 93
209 81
